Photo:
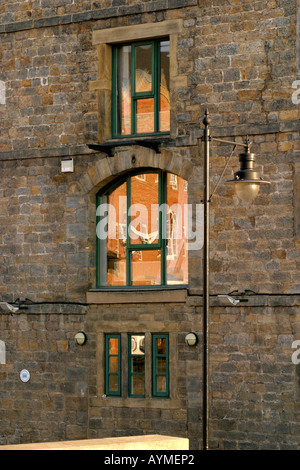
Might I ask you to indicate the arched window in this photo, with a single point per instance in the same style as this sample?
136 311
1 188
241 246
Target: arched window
142 232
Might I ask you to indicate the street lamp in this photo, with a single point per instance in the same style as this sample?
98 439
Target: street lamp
247 184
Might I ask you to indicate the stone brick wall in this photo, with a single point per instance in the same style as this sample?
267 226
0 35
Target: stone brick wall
239 60
254 383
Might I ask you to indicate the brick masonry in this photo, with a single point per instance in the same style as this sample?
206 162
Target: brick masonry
240 62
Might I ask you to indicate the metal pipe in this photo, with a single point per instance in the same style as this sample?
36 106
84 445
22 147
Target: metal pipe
206 199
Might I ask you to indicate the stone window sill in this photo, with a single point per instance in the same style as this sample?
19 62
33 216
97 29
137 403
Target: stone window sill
137 296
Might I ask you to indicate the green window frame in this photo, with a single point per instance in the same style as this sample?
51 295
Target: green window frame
171 264
160 246
112 366
135 96
132 247
136 366
160 366
138 356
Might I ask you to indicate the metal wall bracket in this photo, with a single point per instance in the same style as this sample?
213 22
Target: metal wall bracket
109 146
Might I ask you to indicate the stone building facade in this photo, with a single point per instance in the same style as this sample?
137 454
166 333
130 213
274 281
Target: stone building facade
239 60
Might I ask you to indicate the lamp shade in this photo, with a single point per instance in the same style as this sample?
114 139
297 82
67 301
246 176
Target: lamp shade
247 181
80 338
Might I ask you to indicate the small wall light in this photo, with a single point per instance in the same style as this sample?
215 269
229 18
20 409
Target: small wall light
80 338
191 339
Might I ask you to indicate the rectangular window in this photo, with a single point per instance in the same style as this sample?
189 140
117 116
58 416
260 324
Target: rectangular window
141 88
136 365
160 365
135 369
113 365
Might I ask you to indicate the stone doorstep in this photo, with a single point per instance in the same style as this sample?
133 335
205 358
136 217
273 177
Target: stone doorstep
151 442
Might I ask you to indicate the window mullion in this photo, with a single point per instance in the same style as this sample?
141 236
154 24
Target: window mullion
128 217
156 83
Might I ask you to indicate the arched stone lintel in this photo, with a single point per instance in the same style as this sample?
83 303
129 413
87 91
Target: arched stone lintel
107 169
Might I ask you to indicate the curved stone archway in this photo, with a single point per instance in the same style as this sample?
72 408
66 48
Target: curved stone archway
131 158
104 171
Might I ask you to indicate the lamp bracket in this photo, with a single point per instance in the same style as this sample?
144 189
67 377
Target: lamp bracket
222 174
246 144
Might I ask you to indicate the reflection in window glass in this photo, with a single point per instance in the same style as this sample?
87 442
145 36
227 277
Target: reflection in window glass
146 268
151 209
137 365
143 71
141 88
164 109
144 214
113 365
145 116
160 365
177 256
124 90
117 235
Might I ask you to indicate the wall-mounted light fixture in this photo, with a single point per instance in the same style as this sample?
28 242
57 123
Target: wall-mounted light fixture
80 338
247 181
191 339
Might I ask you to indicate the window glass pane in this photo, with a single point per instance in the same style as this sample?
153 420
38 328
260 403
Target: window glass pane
177 256
113 365
164 111
124 90
143 73
146 267
137 344
161 365
138 364
117 235
137 385
113 346
161 346
161 384
145 115
144 209
114 383
151 198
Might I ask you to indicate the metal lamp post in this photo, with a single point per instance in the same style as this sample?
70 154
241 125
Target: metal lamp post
247 184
